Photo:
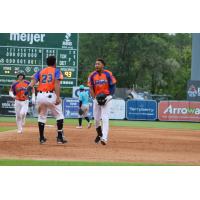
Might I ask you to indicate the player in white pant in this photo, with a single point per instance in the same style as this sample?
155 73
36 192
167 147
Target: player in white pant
48 98
102 112
45 101
84 107
102 84
17 91
21 109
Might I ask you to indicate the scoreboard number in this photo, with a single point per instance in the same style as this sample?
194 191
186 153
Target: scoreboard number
68 74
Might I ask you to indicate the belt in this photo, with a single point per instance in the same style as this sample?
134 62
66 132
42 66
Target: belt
21 100
52 91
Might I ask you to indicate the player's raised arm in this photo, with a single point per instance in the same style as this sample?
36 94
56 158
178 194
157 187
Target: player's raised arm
34 80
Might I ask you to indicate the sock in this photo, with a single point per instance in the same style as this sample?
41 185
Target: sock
41 129
99 131
87 119
60 128
80 121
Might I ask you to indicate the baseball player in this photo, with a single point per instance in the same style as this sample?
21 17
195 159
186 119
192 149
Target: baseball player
102 86
83 107
17 91
48 97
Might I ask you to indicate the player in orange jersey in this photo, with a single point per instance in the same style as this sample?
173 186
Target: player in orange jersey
17 91
48 97
102 84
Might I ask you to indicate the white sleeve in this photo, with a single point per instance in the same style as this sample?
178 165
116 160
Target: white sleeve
11 94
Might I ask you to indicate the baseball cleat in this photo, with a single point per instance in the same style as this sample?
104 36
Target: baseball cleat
43 140
19 131
99 135
61 141
103 142
89 124
97 139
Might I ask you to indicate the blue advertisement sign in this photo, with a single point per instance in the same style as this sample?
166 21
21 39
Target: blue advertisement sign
141 110
71 107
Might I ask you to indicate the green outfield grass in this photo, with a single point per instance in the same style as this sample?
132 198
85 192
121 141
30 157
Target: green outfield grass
124 123
4 128
73 163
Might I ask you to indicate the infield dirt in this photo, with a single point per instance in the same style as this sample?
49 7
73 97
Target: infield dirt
126 144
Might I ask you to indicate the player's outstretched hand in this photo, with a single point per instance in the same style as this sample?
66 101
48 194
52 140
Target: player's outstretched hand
28 90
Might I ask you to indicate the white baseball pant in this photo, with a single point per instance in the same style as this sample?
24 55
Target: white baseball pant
85 109
47 101
102 112
21 109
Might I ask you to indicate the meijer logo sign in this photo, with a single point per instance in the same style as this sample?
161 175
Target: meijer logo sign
27 37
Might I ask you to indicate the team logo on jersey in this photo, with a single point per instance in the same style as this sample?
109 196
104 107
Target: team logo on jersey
100 82
67 43
192 91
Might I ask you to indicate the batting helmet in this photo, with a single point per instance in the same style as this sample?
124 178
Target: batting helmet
21 74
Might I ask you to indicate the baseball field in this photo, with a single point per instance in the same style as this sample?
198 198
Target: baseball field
131 143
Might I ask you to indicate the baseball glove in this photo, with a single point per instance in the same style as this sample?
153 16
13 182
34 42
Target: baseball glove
80 111
101 99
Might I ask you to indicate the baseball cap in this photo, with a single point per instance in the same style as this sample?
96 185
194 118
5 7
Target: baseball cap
21 74
81 87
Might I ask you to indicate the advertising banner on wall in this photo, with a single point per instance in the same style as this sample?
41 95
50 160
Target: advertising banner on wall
7 105
141 110
117 110
71 107
179 111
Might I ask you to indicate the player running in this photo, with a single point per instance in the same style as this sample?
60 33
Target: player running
17 92
102 86
48 97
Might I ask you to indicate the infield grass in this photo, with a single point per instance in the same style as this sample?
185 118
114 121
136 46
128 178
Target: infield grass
74 163
5 128
125 123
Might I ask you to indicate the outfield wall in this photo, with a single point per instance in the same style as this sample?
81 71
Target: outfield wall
130 110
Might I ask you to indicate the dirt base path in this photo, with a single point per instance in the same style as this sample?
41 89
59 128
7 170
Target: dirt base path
125 145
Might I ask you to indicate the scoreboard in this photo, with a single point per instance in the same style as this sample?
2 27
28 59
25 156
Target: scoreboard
27 53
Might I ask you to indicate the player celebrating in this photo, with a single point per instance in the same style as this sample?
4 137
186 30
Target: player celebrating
17 92
48 97
83 107
102 86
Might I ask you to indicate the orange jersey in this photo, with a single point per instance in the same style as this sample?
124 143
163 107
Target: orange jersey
101 83
18 88
47 77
